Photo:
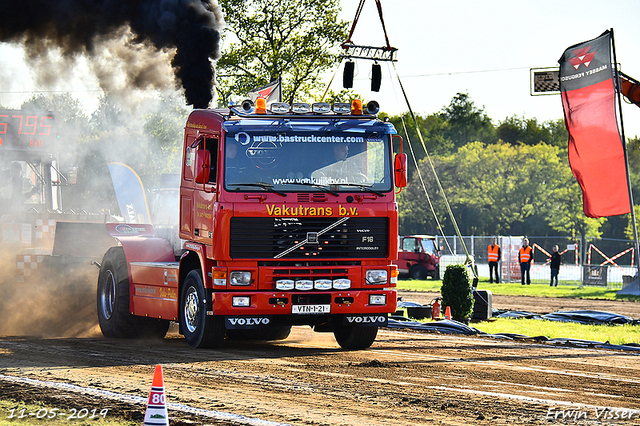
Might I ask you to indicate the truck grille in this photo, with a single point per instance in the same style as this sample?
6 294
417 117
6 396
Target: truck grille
269 238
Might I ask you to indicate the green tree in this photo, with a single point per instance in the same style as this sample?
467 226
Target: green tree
499 189
528 131
466 122
294 40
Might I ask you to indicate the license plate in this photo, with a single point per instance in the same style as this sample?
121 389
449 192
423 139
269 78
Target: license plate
310 309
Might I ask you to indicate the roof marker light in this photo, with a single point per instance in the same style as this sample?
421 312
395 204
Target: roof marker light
261 106
356 107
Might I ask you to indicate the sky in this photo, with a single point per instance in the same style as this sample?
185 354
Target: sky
485 48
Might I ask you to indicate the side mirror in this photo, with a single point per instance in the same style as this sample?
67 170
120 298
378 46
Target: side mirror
203 166
400 169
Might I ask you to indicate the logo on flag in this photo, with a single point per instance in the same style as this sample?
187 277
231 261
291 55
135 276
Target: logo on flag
583 56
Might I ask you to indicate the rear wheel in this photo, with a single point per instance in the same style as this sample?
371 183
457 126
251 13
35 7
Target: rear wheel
356 337
113 302
199 329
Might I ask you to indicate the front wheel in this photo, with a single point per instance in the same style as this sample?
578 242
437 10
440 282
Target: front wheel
418 272
356 337
199 329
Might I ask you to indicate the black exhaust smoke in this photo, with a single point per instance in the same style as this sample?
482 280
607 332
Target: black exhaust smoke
190 28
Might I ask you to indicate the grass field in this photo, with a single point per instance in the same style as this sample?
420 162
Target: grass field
516 289
615 334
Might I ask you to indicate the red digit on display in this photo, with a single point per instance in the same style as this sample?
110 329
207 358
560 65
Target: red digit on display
3 126
48 126
29 124
19 127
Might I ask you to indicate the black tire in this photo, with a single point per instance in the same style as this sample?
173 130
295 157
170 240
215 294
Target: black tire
114 317
418 272
436 273
199 329
356 337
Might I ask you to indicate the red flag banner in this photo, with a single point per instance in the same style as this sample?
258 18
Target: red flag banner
596 151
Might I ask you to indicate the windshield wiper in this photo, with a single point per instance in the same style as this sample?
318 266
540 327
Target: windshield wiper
263 185
365 187
315 185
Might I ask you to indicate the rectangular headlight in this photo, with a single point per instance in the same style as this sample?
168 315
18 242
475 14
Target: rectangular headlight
321 107
241 301
279 107
304 285
376 276
322 284
240 278
300 107
342 108
342 283
284 285
377 299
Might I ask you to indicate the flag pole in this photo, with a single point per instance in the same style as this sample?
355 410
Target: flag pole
624 148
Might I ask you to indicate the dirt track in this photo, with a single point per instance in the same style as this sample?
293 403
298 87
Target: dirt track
406 378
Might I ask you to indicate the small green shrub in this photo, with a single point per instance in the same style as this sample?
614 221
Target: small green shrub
457 292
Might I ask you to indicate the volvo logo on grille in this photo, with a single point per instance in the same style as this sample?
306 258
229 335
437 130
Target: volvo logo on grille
312 237
247 322
370 320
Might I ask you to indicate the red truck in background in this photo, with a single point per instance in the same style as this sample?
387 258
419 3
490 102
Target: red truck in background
418 257
289 218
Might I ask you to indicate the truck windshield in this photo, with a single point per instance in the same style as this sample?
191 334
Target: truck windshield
429 246
312 162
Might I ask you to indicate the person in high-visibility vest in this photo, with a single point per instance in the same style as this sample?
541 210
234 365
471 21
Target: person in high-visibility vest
525 256
493 254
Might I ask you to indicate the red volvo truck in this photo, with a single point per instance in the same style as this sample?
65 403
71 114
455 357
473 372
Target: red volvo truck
288 217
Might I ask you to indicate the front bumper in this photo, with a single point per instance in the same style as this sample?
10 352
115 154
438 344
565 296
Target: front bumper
282 302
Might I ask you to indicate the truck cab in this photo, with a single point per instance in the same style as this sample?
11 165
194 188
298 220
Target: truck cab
289 218
418 257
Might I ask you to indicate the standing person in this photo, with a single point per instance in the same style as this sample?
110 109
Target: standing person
525 256
494 254
556 259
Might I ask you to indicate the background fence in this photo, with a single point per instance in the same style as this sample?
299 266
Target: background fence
592 262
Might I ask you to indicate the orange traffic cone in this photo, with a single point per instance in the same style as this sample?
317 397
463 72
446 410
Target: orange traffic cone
447 313
156 414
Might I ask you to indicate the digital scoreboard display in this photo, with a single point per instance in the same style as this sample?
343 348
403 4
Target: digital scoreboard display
20 129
